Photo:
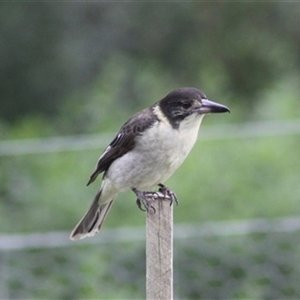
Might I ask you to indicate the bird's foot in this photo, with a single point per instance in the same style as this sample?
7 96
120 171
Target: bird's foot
145 198
168 193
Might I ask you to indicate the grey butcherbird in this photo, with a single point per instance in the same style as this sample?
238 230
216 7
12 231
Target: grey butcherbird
149 147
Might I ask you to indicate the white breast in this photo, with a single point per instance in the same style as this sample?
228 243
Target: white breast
156 155
180 140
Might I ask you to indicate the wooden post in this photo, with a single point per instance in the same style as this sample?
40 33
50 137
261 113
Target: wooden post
159 251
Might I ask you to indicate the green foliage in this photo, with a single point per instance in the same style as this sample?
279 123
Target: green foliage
52 50
257 266
72 69
252 267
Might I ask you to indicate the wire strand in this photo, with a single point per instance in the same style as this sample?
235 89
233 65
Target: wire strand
96 141
134 234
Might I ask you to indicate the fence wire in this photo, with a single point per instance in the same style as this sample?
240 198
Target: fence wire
96 141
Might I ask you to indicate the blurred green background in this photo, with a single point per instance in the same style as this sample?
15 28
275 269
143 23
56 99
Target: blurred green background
80 70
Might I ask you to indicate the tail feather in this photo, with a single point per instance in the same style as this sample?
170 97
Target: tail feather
92 221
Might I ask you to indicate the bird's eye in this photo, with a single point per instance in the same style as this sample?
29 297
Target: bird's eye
186 105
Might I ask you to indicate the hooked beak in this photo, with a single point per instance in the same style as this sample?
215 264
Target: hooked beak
212 107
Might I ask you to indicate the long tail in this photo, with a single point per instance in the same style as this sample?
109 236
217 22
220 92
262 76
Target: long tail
92 221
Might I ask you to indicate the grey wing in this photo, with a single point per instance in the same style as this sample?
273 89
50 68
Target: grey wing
124 141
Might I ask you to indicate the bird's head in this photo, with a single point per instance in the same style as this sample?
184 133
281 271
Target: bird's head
184 103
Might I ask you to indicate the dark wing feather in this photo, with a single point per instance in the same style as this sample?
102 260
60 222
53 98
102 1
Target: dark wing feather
124 141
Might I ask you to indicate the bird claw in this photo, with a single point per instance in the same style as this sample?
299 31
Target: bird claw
145 201
139 204
145 198
168 193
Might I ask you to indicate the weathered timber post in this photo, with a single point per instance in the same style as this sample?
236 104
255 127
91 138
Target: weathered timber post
159 251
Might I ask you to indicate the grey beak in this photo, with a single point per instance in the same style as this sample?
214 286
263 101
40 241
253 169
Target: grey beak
212 107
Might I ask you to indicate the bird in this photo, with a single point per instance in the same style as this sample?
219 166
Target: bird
147 150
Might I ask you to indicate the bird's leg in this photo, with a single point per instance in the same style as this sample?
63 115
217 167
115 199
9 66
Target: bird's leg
168 193
145 198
